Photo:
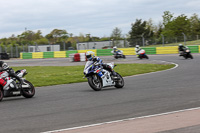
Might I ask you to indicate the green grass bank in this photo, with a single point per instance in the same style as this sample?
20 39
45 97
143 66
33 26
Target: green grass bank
55 75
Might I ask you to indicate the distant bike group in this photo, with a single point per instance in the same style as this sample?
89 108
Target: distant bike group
140 53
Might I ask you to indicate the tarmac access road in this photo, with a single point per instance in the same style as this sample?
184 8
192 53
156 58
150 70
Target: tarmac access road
76 105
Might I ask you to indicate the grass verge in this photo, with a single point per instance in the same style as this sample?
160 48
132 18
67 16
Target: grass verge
54 75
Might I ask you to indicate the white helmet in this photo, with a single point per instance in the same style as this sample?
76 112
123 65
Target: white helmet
115 47
90 55
137 46
180 44
3 65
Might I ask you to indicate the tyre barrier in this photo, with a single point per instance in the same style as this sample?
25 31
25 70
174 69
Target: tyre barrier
77 57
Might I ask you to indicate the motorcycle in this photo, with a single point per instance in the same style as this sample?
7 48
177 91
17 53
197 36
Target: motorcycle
186 53
14 88
141 54
118 54
99 78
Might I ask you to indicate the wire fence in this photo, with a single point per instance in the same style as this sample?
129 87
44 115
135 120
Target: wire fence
163 40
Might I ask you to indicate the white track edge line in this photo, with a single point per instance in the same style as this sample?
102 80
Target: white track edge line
128 119
176 65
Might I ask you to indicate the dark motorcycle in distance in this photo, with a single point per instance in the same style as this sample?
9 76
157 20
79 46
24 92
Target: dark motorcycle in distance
118 54
14 88
141 54
99 77
186 53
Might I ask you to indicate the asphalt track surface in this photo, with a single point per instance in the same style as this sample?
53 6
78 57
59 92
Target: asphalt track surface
73 105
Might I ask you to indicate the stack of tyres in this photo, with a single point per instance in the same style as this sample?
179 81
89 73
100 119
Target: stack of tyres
76 57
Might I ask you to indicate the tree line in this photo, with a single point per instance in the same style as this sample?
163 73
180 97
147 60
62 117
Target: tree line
171 28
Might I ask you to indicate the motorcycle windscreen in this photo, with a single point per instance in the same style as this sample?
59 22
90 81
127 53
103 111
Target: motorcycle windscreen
87 66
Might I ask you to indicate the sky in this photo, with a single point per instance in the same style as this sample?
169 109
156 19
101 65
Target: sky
95 17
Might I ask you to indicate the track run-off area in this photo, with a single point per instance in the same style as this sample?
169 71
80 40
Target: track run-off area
77 108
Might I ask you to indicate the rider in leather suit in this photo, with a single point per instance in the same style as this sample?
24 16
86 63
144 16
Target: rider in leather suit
10 72
91 57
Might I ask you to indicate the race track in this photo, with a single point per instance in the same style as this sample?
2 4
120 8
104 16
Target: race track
72 105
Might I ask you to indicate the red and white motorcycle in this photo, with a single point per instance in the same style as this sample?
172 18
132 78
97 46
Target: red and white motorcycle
14 88
141 54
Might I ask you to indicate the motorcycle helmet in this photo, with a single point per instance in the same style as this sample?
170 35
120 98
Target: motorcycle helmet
89 55
3 65
114 48
180 44
137 46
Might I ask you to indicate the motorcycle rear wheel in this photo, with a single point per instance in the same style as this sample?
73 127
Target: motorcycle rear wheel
95 82
28 92
119 83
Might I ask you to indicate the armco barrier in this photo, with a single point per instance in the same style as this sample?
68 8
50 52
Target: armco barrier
107 52
37 55
59 54
104 52
199 49
194 49
167 50
128 51
26 55
48 54
150 50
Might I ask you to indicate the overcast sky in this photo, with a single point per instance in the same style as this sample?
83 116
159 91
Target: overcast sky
95 17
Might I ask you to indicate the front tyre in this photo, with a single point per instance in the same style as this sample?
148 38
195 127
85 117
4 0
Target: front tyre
28 90
191 56
95 82
120 82
1 94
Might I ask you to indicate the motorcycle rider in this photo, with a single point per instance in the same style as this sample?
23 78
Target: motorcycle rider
181 49
97 61
115 50
137 49
6 71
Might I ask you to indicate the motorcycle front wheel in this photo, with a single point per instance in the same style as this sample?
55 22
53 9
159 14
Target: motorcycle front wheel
191 56
120 82
146 57
28 90
95 82
1 94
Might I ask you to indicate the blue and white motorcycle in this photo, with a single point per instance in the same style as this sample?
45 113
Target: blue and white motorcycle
99 78
118 54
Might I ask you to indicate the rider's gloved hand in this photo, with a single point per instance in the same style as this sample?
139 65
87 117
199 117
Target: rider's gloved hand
96 64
